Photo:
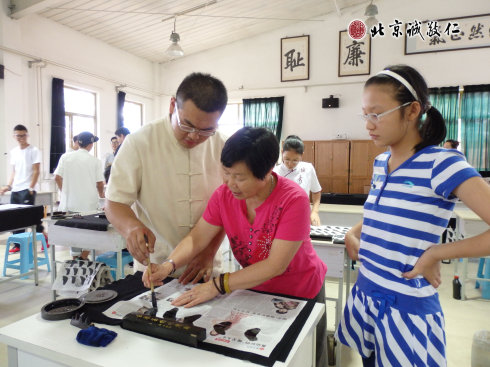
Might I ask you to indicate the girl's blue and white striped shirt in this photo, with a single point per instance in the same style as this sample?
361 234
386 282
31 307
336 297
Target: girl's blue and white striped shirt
406 212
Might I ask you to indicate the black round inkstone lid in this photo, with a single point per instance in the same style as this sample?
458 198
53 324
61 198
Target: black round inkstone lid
61 309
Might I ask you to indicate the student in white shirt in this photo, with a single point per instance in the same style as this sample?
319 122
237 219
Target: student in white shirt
80 178
303 173
25 160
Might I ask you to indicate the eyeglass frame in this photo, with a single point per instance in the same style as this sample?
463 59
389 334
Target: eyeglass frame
191 130
369 116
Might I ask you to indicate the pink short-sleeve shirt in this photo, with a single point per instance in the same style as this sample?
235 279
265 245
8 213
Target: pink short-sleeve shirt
284 215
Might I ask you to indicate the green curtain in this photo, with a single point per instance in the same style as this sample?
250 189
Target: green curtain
264 112
475 125
446 101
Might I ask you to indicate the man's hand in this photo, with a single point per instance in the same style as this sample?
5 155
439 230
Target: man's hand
201 267
4 189
427 266
136 242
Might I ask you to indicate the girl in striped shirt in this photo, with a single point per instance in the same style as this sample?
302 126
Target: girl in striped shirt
393 316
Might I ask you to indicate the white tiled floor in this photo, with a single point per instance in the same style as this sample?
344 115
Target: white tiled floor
20 298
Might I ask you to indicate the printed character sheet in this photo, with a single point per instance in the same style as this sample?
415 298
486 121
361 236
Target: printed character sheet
243 320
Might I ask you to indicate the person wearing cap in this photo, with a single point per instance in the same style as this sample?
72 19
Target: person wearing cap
80 178
169 170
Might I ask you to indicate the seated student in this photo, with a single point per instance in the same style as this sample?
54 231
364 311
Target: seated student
266 218
451 144
303 173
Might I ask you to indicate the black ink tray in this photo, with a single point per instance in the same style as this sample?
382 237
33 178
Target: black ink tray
61 309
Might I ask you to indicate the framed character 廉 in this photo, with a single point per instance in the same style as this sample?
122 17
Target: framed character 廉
295 58
354 55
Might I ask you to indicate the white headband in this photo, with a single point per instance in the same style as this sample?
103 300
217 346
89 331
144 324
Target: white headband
401 80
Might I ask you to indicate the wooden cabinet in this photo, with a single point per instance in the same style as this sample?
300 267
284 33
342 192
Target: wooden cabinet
362 154
332 165
342 166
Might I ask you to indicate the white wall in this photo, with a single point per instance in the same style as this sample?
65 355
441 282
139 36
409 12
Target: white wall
254 64
80 61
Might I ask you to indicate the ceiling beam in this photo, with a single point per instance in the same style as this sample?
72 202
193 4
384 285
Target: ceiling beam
22 8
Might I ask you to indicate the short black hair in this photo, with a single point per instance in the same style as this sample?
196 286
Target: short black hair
20 127
208 93
293 142
75 138
257 147
122 131
114 137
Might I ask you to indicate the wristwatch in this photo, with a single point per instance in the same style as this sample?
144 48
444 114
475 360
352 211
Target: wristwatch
173 265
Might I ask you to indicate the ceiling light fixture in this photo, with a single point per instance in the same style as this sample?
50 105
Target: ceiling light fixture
371 12
174 50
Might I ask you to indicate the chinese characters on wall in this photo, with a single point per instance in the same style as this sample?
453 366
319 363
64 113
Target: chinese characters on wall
295 58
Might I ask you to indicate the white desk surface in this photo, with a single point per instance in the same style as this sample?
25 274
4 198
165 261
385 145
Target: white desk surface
467 214
338 208
109 240
56 341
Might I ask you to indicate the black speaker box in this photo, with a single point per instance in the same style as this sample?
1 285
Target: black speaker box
330 102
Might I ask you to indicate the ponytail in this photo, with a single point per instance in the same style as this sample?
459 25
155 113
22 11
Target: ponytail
410 86
433 129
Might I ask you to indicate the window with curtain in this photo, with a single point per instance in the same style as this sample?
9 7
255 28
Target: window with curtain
133 115
80 114
232 119
446 100
264 112
475 125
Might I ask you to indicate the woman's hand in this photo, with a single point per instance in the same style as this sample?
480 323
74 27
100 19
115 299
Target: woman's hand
314 219
428 266
199 294
158 273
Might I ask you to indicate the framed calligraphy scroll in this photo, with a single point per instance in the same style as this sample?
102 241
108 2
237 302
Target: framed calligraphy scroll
295 58
354 55
449 34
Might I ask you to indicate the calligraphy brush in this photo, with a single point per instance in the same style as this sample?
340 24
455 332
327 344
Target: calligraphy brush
154 309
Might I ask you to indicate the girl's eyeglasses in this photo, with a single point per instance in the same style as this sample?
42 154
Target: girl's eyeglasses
375 117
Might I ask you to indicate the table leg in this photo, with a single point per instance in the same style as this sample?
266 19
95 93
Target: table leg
119 271
34 254
463 279
53 268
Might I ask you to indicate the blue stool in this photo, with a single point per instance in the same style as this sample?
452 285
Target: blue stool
26 260
110 259
484 273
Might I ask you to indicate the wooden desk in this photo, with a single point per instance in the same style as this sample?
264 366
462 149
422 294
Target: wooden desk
37 342
468 224
109 240
16 216
340 215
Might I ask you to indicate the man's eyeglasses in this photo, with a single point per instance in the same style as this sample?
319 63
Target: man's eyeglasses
20 135
375 117
190 129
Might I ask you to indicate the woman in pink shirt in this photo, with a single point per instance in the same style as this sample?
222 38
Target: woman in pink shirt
267 220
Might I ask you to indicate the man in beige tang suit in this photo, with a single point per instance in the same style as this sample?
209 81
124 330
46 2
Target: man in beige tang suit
168 169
